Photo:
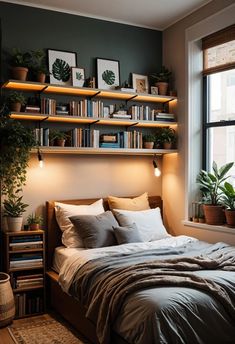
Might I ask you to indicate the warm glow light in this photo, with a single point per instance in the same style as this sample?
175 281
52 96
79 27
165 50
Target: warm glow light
41 163
157 172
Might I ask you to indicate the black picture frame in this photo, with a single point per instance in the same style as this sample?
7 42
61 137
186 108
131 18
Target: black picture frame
107 73
60 63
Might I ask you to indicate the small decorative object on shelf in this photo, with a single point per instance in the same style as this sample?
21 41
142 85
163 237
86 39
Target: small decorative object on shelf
140 83
161 80
34 222
148 141
24 261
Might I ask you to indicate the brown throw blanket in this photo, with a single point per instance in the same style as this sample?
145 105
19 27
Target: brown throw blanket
107 292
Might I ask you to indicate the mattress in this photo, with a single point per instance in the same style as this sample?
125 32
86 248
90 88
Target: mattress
61 254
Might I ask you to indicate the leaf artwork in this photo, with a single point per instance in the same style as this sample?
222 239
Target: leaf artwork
109 77
78 76
61 70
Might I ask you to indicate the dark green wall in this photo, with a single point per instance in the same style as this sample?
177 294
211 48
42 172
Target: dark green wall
139 50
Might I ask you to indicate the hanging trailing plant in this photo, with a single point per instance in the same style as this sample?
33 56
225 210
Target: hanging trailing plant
16 141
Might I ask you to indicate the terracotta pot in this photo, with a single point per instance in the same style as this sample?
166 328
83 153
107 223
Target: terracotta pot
148 145
60 142
15 107
19 73
34 227
41 77
7 304
230 217
14 224
162 88
167 145
214 214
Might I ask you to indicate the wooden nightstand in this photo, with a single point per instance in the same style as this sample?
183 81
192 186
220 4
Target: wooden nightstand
24 261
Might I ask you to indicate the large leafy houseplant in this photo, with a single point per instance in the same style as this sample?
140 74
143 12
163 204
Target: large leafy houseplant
228 199
16 141
210 184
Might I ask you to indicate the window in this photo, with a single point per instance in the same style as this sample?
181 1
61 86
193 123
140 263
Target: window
219 98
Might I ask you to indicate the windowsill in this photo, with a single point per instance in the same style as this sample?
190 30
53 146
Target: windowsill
204 226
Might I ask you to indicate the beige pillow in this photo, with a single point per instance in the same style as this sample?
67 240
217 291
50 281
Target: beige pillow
138 203
70 236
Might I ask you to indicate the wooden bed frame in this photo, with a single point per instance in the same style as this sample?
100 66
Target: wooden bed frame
65 305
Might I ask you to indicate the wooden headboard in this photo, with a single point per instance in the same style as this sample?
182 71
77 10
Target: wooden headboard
53 237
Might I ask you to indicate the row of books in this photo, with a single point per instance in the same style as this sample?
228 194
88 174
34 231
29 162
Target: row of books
48 106
26 304
25 238
163 116
26 245
24 260
87 108
27 281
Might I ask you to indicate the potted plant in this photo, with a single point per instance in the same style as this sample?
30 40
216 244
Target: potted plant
161 80
16 100
167 137
57 137
34 222
148 141
16 141
20 62
38 65
228 199
13 210
210 186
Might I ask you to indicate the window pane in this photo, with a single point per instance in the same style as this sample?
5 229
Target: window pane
222 96
222 146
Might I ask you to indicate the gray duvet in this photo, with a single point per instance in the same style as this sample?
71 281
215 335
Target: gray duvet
171 295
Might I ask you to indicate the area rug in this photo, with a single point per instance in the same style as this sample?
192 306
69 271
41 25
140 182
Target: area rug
44 330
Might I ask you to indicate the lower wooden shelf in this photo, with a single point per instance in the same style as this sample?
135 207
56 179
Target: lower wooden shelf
103 151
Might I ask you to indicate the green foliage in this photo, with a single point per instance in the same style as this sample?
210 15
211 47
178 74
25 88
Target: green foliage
57 135
163 76
16 97
61 70
228 197
109 77
14 207
34 219
149 138
210 183
78 76
167 134
20 59
38 62
16 142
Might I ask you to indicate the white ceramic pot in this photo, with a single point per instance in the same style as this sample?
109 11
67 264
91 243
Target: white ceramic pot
14 224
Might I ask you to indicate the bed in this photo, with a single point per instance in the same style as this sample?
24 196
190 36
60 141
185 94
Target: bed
172 290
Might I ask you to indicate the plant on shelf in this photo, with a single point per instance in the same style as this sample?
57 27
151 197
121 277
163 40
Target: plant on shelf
34 221
210 184
16 141
16 100
57 137
161 80
148 141
38 65
167 137
228 199
20 62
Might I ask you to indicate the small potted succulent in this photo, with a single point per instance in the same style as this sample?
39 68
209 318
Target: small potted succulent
13 210
148 141
20 62
16 100
57 137
161 80
34 222
228 199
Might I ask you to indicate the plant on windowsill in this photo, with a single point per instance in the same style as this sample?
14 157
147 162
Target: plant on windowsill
16 100
210 185
228 199
148 141
16 141
161 80
34 222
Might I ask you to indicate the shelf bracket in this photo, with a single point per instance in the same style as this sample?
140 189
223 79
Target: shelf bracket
94 95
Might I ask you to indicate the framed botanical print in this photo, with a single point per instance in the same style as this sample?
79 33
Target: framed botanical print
140 83
108 73
60 63
78 76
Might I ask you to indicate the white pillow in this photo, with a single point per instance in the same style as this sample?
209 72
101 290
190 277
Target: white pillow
70 236
148 222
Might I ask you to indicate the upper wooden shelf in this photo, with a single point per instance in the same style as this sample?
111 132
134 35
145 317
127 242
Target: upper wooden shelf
30 86
88 120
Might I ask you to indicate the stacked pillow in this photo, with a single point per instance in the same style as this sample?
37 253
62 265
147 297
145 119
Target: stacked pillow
89 226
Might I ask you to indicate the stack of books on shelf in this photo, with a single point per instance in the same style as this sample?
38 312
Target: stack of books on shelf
27 281
85 137
87 108
62 110
124 139
28 304
122 114
26 260
163 116
32 109
48 106
111 140
141 113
